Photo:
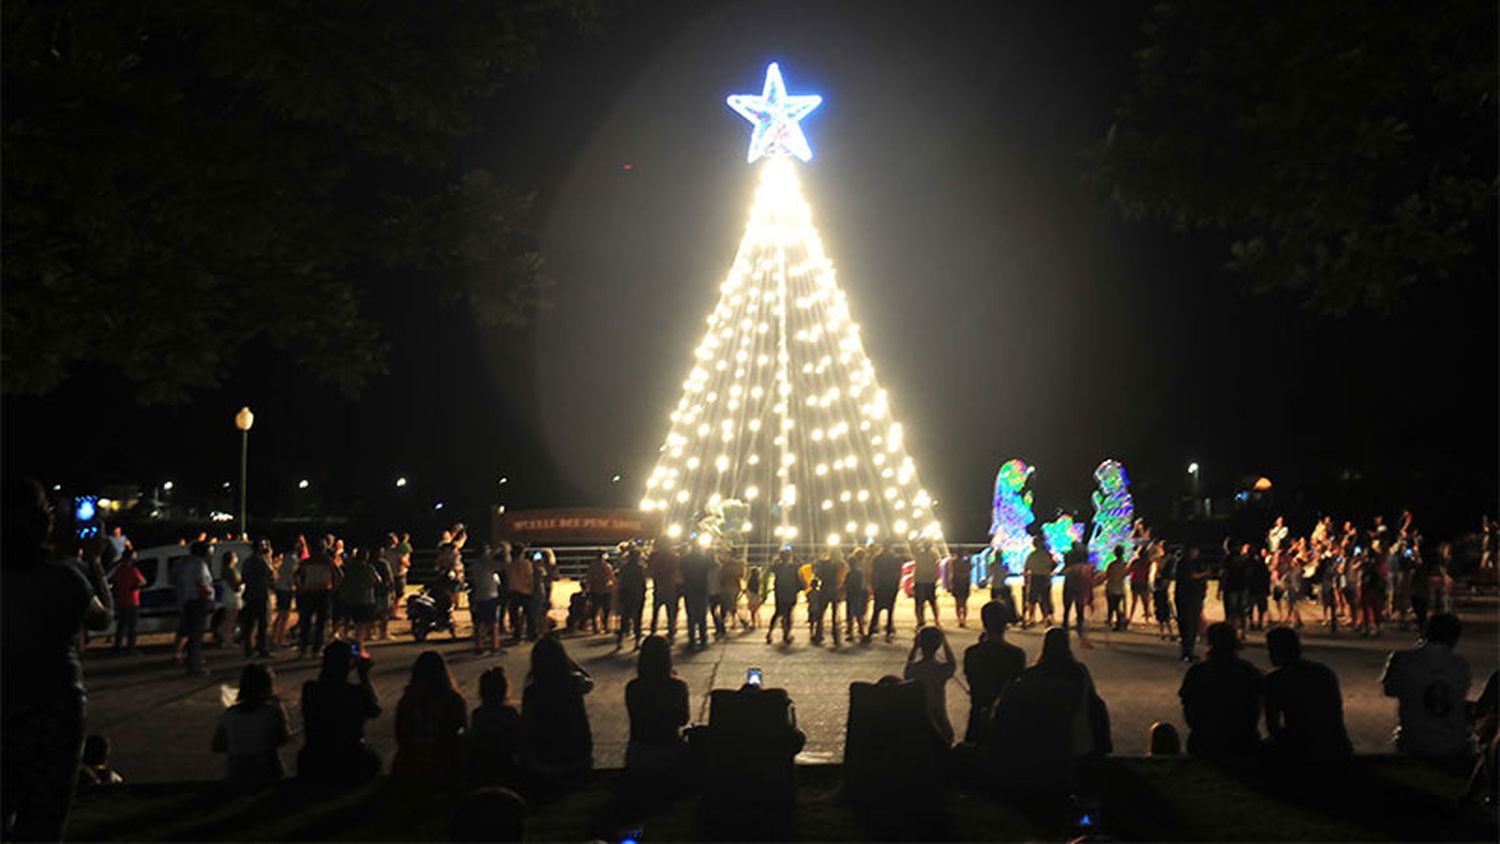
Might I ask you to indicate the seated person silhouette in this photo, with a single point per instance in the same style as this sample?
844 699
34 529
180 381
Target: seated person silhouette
748 751
1304 708
334 712
891 746
1221 699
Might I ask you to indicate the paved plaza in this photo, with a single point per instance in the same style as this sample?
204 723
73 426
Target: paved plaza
160 722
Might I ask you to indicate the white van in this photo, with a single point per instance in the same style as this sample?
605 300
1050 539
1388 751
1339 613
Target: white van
159 596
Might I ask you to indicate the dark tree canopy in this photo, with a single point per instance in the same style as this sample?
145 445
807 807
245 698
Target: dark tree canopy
186 180
1348 150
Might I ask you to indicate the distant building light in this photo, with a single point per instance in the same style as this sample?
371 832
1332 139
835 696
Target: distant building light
1262 484
168 486
400 482
504 481
438 506
302 484
615 479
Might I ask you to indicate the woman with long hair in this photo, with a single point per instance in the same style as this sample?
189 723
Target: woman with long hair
557 739
430 722
657 702
252 731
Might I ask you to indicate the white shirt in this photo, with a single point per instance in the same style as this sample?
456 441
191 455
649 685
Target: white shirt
1432 684
1275 536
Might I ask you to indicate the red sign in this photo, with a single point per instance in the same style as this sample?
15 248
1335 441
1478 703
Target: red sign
580 524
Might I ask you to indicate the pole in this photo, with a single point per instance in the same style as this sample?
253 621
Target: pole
244 463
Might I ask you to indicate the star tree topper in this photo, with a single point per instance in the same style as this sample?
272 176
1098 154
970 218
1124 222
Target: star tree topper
775 114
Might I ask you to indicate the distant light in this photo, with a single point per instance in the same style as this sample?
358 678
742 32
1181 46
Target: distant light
166 486
627 166
615 479
401 481
219 516
84 510
226 484
302 484
504 481
705 540
674 531
1262 484
438 506
57 487
1193 468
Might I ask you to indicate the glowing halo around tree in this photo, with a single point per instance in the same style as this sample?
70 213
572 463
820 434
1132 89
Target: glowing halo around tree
781 408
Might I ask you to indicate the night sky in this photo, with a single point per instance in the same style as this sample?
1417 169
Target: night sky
1007 307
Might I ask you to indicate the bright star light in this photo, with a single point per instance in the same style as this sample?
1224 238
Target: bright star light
775 114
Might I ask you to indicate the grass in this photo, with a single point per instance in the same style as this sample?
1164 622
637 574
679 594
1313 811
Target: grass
1378 798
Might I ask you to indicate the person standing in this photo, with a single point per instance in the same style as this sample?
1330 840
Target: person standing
731 582
601 577
787 585
856 596
829 574
885 582
127 582
195 595
231 588
259 576
315 578
519 582
398 554
960 568
630 588
666 579
1077 586
1277 534
1164 574
1259 590
46 603
484 601
989 667
1139 573
924 577
1188 592
1114 590
1234 586
1040 567
286 596
695 569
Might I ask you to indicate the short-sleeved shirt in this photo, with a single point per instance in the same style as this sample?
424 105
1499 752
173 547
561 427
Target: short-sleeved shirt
316 576
258 577
193 580
1431 684
484 580
885 572
925 566
518 575
358 588
128 581
1039 561
44 605
989 667
960 572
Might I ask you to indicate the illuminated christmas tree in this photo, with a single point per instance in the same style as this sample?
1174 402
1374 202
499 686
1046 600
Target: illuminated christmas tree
781 408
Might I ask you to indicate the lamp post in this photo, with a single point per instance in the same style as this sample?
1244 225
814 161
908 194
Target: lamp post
1193 470
243 420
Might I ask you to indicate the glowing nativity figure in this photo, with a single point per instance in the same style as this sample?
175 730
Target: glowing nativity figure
1008 528
1113 513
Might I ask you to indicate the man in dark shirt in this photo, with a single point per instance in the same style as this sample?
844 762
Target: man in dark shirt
666 578
259 577
1304 708
1221 699
695 567
1234 587
885 577
787 586
46 603
1188 595
989 667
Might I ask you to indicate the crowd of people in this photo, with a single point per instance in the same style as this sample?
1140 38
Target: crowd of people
1048 712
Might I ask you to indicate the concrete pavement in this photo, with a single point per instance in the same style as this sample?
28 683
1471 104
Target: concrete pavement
160 722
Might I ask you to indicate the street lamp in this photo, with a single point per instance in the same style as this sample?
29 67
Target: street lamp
243 420
401 482
1193 470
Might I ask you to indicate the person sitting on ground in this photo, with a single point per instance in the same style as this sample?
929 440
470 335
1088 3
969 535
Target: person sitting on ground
334 712
989 667
1043 721
1164 740
1304 708
934 675
1221 699
430 722
489 814
494 732
556 739
1431 682
94 770
657 702
252 731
